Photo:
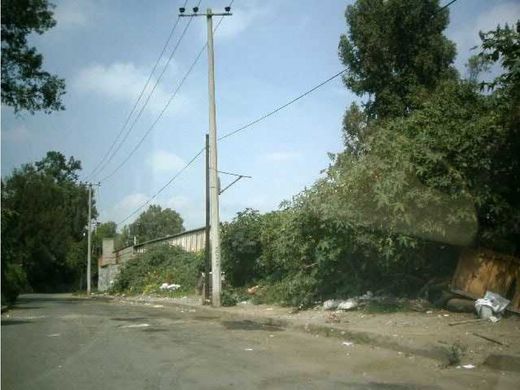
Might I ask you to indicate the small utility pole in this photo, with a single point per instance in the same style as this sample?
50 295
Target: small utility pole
89 246
213 177
207 257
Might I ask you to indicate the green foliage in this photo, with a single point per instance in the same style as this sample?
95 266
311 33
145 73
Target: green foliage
395 49
241 247
104 230
407 193
44 215
151 224
160 264
14 281
25 85
503 46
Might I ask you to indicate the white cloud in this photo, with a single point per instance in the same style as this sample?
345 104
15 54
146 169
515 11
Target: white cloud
17 134
191 212
162 161
245 14
126 206
282 156
123 81
69 14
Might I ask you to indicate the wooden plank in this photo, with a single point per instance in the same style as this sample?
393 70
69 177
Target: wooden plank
482 270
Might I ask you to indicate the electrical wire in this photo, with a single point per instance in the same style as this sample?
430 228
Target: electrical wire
231 133
146 103
446 5
186 75
267 115
141 93
194 158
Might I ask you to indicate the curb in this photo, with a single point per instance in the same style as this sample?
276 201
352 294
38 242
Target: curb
438 353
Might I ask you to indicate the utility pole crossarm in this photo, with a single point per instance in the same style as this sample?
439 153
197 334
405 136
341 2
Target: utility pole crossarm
238 177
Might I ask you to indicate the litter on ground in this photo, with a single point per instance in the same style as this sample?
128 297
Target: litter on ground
171 287
135 326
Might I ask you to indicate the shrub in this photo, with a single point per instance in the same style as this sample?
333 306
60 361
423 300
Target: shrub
14 280
241 247
159 264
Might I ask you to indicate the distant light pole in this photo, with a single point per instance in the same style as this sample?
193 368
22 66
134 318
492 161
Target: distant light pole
89 241
213 177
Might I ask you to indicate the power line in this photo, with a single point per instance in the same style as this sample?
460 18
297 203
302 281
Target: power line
139 143
194 158
147 100
172 31
446 6
265 116
229 135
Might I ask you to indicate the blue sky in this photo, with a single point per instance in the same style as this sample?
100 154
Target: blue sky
268 52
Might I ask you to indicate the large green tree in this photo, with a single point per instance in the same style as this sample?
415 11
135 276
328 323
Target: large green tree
25 85
153 223
394 51
44 216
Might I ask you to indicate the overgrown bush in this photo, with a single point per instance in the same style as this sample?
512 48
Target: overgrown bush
159 264
394 208
14 281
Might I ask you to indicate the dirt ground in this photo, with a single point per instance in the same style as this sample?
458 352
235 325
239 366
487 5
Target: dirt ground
436 334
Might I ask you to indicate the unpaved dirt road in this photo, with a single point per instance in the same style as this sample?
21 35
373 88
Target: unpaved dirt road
64 342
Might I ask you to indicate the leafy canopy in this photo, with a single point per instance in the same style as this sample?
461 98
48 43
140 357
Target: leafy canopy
25 85
153 223
44 215
395 49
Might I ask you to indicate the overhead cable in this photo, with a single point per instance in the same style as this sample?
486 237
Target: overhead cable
149 130
141 93
229 135
194 158
267 115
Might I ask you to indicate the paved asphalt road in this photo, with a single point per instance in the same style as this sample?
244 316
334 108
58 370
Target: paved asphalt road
63 342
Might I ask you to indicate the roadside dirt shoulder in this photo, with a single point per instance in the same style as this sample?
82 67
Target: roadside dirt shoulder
450 338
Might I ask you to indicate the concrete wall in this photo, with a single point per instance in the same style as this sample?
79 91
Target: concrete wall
107 275
111 260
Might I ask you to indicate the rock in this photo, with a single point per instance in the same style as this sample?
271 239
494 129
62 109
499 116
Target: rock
460 305
349 304
331 304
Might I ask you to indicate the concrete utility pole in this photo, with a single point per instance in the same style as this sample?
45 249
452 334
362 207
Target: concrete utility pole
213 170
213 175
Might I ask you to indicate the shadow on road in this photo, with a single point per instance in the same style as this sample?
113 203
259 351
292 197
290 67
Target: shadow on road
47 298
15 322
16 307
250 325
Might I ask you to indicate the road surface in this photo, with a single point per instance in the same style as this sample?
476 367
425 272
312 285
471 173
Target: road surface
66 342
